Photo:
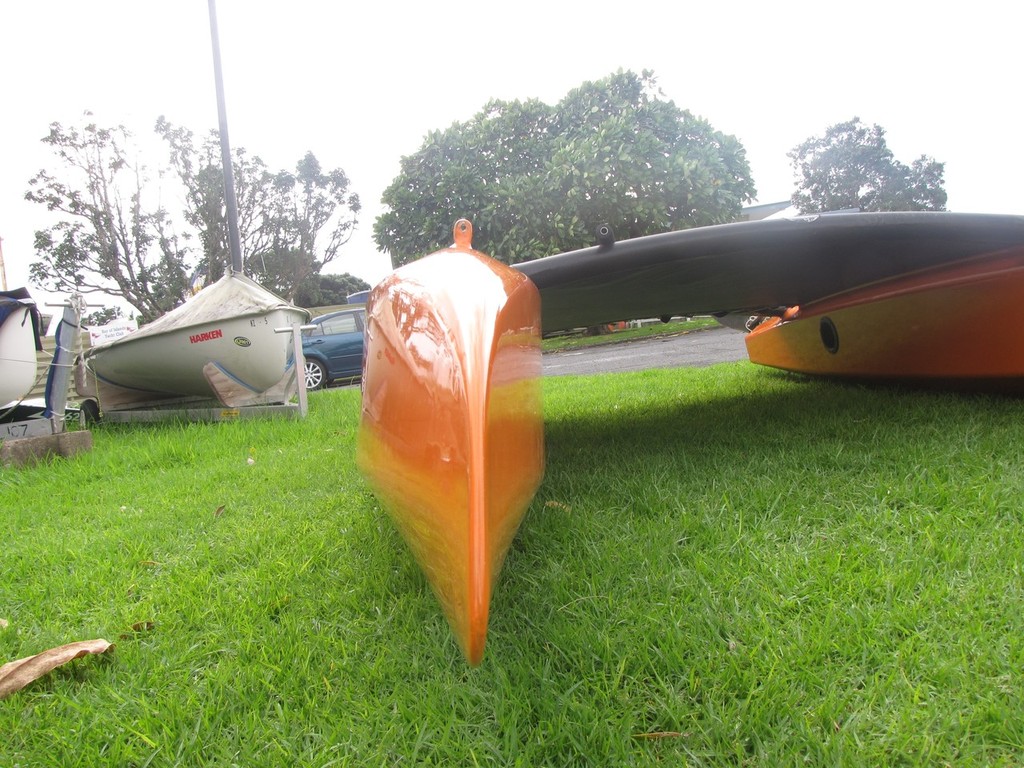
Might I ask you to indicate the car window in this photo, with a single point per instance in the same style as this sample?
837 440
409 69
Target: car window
341 324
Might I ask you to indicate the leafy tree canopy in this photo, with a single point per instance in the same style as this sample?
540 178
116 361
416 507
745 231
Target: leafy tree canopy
110 237
851 167
102 316
113 236
291 224
537 179
202 179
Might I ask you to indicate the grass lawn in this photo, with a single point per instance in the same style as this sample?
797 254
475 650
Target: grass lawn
723 566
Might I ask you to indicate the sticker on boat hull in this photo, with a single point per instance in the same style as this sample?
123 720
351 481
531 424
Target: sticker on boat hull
242 341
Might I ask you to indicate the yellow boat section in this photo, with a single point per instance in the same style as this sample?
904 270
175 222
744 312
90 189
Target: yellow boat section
953 325
451 434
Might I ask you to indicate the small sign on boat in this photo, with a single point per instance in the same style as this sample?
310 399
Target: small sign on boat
101 334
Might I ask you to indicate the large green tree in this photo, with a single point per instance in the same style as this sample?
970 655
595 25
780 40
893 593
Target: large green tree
110 237
538 179
851 166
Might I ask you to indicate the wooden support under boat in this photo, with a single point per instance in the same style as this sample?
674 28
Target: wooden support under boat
451 434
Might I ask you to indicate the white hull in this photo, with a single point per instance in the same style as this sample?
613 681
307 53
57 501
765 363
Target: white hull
246 349
221 344
17 355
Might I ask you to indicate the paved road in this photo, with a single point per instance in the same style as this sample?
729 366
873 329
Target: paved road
695 350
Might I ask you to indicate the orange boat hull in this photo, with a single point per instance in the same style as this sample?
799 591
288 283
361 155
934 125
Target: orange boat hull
451 433
950 326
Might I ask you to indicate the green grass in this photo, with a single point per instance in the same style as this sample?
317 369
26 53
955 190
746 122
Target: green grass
723 566
579 339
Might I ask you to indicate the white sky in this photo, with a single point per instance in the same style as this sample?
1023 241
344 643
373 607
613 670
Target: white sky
360 85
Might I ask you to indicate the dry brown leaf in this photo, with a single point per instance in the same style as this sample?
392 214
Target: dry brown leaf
15 675
558 505
138 626
219 510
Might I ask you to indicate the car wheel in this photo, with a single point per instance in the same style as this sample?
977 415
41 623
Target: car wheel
316 375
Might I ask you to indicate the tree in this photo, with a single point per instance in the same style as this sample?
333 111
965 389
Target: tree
102 316
201 174
281 216
537 179
302 206
326 290
110 239
851 167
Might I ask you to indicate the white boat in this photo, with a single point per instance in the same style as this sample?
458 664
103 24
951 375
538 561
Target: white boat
220 344
19 340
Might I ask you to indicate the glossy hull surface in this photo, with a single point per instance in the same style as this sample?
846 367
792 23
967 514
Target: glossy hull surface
451 433
953 325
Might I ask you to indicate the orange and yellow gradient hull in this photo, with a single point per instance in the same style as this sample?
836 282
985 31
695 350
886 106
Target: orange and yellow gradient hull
952 326
451 437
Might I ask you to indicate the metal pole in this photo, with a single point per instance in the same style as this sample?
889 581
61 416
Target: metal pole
3 269
234 241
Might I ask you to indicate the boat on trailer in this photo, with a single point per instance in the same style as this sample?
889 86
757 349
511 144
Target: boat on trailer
226 343
20 323
221 345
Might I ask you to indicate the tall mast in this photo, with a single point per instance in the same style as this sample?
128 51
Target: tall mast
234 241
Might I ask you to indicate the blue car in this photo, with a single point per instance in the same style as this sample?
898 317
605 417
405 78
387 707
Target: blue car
334 349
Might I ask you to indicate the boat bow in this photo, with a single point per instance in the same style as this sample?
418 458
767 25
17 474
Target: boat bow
451 433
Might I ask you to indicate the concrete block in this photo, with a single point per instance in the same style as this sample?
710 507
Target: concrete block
23 451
